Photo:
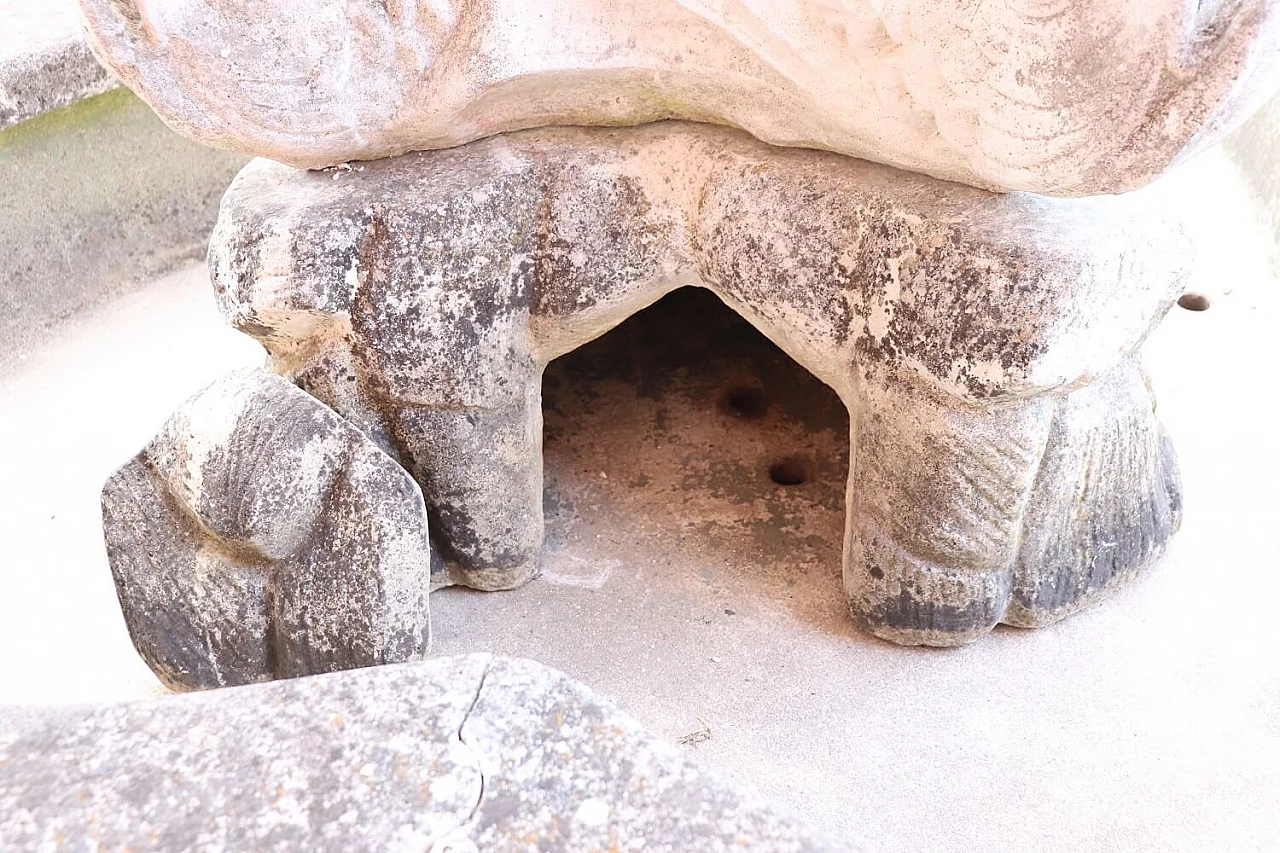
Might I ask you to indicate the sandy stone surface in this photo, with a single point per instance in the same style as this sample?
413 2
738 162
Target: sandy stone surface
458 754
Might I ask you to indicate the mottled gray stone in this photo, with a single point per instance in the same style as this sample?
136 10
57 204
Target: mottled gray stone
422 296
456 754
260 536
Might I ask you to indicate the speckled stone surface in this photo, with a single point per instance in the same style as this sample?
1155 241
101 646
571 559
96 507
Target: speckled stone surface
457 754
977 339
261 536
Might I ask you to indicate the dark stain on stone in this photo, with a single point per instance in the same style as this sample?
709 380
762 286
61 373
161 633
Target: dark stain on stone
907 612
619 241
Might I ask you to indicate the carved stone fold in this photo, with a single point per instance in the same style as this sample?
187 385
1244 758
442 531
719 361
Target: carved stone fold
1066 97
1006 463
260 536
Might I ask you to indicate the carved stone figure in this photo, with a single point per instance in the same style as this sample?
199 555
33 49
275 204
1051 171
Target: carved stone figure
260 536
1066 97
1006 461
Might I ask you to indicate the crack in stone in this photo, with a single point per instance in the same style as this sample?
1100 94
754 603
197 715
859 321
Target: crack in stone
458 839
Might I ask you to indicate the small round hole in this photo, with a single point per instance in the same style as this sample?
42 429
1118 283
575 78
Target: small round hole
746 402
789 472
1194 301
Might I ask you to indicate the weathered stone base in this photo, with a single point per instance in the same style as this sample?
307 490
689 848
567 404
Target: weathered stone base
1006 462
456 754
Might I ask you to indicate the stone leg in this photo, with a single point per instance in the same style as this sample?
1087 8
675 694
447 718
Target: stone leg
936 495
1105 502
445 343
481 472
961 518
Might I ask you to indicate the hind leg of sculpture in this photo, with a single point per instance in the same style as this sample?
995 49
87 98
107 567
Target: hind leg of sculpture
936 495
261 536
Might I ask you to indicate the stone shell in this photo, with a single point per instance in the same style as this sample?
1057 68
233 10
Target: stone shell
1059 97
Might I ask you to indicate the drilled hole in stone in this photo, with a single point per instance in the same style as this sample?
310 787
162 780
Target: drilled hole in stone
745 402
1194 301
791 471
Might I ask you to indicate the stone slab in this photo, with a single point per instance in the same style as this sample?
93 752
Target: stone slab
457 754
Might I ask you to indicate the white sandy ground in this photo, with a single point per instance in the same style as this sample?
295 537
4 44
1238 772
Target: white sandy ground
1151 722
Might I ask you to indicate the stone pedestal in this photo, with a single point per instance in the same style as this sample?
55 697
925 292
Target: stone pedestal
1006 462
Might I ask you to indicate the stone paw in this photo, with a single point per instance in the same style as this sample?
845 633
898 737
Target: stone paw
260 536
913 601
964 553
1106 500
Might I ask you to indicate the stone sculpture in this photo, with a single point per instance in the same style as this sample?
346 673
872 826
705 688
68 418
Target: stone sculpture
457 754
1068 97
1006 461
983 343
260 536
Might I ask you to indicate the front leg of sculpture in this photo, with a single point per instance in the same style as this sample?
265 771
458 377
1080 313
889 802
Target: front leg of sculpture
962 517
441 325
481 470
411 321
1107 499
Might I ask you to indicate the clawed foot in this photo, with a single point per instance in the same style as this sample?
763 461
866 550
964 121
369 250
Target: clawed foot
998 543
261 536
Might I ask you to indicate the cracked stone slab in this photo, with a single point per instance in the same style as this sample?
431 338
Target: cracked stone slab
970 334
260 536
1065 97
454 754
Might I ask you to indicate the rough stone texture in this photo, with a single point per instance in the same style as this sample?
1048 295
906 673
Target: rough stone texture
44 60
1054 96
259 536
457 754
422 296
